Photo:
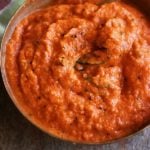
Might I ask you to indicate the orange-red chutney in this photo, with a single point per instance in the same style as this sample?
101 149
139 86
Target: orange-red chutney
83 70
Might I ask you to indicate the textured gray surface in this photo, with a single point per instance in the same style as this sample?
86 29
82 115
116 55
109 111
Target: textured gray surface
16 133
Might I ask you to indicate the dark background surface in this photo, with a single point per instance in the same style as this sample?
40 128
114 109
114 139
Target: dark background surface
16 133
3 3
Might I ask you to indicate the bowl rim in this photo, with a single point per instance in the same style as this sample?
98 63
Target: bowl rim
35 123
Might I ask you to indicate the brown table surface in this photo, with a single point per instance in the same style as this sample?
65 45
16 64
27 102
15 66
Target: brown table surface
16 133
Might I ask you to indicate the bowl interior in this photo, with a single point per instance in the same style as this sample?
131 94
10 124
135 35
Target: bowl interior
28 7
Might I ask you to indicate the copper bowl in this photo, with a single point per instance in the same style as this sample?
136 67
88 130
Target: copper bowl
27 8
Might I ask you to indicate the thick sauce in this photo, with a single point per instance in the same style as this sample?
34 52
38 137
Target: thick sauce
83 70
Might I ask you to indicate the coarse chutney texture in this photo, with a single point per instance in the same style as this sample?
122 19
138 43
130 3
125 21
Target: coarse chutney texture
83 70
